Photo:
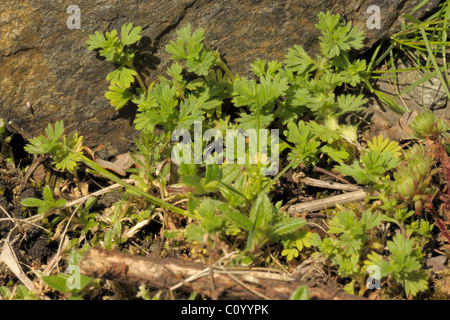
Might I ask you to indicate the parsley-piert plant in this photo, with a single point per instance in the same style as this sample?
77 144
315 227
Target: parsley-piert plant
232 202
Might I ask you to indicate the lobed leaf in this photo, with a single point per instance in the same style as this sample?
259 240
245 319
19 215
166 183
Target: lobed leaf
122 77
130 35
298 60
118 97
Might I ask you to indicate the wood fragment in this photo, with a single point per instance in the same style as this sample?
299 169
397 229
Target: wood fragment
321 170
171 273
330 185
329 202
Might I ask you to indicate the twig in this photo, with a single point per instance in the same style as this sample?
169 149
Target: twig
321 170
167 273
14 219
262 296
24 221
329 202
13 127
330 185
58 253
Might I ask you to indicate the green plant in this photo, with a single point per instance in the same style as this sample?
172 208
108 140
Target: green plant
46 204
232 202
301 293
264 222
73 282
119 52
190 48
426 125
404 265
19 293
314 81
412 179
411 182
260 98
295 242
64 151
222 199
67 155
350 248
62 283
381 156
434 132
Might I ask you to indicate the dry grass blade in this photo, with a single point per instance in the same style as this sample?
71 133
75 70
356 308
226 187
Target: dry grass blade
98 193
9 258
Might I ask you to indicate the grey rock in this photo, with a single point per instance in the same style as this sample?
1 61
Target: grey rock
430 94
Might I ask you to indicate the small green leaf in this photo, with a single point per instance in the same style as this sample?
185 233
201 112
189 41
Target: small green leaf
261 212
96 41
202 65
213 173
299 61
239 220
118 97
47 194
108 239
301 293
371 220
193 181
60 203
57 282
90 202
122 77
306 145
381 144
177 50
338 38
338 155
32 202
230 172
350 103
130 35
288 226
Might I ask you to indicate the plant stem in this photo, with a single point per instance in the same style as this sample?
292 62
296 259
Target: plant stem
138 77
272 182
98 169
225 68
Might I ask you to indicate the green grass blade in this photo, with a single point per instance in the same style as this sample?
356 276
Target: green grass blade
435 65
394 106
